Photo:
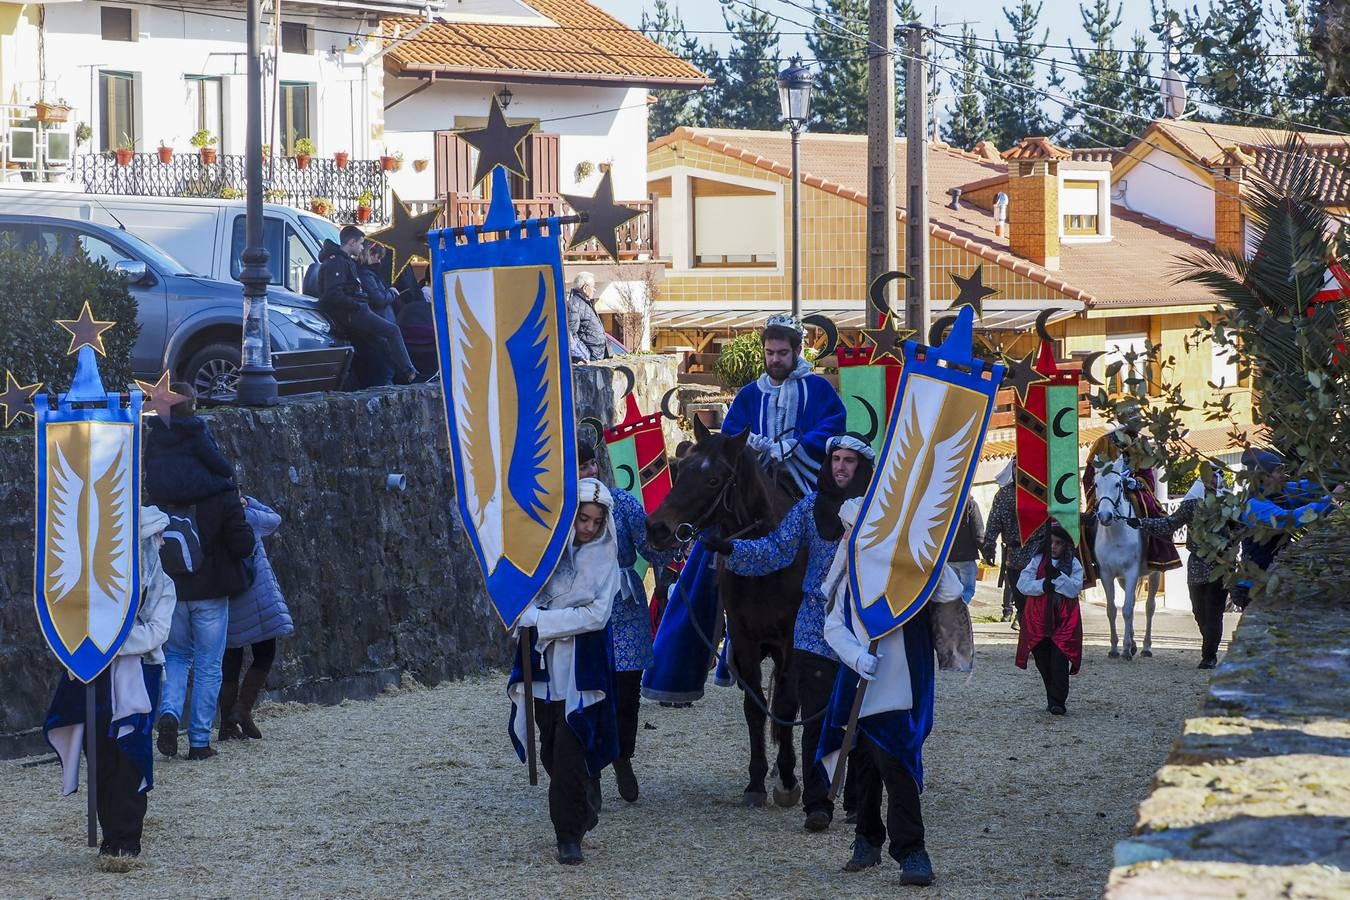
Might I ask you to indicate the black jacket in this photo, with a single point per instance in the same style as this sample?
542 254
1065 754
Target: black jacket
227 540
183 465
340 291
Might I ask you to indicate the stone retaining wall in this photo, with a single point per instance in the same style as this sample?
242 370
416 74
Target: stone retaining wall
379 582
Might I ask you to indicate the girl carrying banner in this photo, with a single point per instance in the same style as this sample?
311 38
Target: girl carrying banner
1052 627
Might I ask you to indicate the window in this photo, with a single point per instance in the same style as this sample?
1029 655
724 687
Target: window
1079 206
1118 350
99 250
1223 366
286 252
735 225
205 106
294 37
116 109
117 23
295 114
1080 225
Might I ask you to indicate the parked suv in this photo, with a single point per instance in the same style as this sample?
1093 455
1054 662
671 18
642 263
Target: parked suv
190 325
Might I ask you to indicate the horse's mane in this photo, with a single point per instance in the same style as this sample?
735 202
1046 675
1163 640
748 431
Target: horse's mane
756 497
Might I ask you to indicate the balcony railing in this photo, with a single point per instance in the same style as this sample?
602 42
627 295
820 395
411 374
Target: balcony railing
186 175
636 237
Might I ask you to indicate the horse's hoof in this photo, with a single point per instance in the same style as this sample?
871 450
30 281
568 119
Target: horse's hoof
787 798
1114 654
1147 653
753 799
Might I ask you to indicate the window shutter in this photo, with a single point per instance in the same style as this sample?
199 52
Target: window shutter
454 164
541 162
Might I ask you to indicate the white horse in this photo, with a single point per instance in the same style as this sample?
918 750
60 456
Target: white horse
1122 555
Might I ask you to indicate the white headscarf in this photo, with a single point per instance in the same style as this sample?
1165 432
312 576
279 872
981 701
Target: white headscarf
587 568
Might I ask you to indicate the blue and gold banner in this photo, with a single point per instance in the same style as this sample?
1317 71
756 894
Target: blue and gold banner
87 573
501 332
911 510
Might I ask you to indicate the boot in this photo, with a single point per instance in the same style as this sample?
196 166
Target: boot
627 780
229 731
242 714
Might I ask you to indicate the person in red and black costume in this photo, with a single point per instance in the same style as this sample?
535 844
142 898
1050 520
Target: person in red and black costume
1052 626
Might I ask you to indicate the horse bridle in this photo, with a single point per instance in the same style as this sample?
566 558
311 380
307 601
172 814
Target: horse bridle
1117 500
686 532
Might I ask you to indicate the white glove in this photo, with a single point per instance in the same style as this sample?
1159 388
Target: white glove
867 665
849 509
782 450
1131 483
529 618
759 443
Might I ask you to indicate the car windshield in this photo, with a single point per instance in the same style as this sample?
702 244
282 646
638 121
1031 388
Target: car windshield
322 229
153 255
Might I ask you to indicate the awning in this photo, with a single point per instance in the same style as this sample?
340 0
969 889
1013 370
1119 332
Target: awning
999 314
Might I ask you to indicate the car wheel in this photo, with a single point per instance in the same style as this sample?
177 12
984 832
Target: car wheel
213 371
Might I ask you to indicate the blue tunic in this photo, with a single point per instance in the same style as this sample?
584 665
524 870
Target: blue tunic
777 550
631 619
819 417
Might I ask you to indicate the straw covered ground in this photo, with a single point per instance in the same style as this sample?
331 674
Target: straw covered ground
418 793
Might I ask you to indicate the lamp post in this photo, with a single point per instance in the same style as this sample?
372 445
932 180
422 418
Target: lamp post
794 99
257 380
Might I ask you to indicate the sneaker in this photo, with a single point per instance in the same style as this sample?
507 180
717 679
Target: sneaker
570 854
202 752
1057 709
627 781
817 820
916 868
168 735
1208 662
864 856
1007 617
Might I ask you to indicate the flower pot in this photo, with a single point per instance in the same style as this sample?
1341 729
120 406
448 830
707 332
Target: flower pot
363 214
341 159
302 161
387 163
165 154
208 155
420 165
52 112
124 156
319 209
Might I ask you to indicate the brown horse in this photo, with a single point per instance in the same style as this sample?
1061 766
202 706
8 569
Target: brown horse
720 485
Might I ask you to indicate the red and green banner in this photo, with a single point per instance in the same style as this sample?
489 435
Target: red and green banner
637 455
1047 449
867 391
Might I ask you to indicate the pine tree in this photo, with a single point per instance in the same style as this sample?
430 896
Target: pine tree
905 13
966 123
1014 103
1305 97
1140 100
839 96
665 26
750 82
1236 73
1096 118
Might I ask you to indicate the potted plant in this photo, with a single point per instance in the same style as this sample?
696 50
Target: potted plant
125 150
205 142
364 202
165 152
83 133
420 165
229 193
321 206
398 160
304 149
342 157
274 195
388 162
52 112
266 154
583 170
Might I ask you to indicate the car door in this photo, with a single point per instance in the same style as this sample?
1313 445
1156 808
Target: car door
147 357
288 256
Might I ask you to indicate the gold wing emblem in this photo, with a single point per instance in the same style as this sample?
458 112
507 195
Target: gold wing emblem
904 461
934 511
112 529
67 508
476 350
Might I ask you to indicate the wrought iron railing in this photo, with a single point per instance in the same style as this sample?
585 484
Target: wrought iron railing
186 175
636 238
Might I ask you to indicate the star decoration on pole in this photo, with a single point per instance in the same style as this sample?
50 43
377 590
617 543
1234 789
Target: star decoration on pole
603 217
887 340
18 399
1022 374
498 144
406 236
85 331
159 398
972 291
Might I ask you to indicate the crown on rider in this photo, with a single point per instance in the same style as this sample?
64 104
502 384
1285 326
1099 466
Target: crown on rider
784 320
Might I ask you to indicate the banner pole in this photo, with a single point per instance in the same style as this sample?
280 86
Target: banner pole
91 755
527 676
851 732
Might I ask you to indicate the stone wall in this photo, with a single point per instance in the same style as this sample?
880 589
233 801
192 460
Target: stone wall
379 582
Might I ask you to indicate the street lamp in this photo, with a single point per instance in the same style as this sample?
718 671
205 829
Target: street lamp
794 98
257 381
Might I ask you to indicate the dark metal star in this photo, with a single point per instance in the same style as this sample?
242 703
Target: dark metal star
18 399
972 291
498 144
603 217
887 340
85 331
159 398
406 237
1022 374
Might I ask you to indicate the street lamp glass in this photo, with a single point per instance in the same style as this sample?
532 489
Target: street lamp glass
794 92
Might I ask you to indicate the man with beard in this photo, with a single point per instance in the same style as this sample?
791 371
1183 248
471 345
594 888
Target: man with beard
790 411
813 525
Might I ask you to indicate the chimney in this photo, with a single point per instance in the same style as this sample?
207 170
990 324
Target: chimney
1033 200
1229 168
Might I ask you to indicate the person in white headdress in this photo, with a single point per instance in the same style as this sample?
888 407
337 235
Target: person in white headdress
1003 523
572 659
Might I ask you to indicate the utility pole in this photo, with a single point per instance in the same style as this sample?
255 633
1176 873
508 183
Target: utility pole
916 178
880 140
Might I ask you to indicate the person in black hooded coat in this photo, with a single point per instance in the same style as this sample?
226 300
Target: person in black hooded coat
182 462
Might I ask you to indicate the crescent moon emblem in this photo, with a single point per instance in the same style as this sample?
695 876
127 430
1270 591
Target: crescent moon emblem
632 379
871 434
593 423
876 293
1059 489
1087 367
665 404
939 329
1043 320
1060 432
825 324
632 478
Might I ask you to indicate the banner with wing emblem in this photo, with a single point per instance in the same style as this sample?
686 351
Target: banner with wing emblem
501 332
910 512
867 391
87 573
1047 448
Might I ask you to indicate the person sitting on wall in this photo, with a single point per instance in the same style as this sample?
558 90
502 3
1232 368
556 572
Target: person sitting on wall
343 299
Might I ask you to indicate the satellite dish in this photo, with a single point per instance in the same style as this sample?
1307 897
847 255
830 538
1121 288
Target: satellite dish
1173 89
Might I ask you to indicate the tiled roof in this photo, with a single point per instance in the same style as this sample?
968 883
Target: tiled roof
1330 168
574 41
1032 148
1131 270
